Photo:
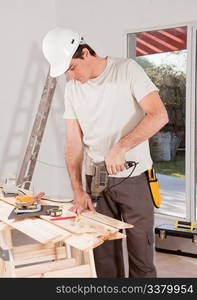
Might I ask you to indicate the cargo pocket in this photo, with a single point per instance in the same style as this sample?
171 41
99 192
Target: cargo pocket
140 248
149 250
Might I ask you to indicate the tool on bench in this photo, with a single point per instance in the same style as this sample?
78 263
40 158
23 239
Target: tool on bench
26 204
101 176
54 212
10 187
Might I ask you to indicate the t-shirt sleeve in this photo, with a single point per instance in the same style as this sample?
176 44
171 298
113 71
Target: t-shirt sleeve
69 112
141 84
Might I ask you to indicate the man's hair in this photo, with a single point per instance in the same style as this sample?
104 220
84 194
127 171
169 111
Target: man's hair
78 53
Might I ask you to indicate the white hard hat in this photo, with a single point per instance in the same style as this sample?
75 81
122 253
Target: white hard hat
59 46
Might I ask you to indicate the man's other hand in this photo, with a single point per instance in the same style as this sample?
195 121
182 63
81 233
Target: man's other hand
81 202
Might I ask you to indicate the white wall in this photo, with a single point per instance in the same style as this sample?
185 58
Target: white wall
104 22
23 68
23 23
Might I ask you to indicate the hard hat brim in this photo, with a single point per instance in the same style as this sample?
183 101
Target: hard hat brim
58 71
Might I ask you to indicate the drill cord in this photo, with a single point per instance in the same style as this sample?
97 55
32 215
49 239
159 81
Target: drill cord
123 179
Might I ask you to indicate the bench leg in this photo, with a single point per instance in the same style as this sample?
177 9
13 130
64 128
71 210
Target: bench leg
7 266
89 259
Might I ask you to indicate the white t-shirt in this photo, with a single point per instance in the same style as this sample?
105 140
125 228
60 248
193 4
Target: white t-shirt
107 109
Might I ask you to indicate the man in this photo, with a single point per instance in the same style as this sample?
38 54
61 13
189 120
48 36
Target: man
111 110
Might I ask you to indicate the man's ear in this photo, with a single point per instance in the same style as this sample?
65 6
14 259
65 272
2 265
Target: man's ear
85 52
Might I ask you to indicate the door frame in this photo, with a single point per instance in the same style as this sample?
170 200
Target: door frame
191 100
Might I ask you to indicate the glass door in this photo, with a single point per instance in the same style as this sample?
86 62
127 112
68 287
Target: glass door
194 120
163 54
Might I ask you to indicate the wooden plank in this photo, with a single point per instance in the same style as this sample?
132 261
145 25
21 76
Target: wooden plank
88 214
97 231
8 237
3 226
45 267
30 247
36 228
84 234
68 251
106 220
2 268
9 200
77 254
82 225
99 227
84 241
76 272
117 236
41 255
89 233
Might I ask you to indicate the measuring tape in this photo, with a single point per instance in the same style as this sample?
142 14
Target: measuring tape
54 212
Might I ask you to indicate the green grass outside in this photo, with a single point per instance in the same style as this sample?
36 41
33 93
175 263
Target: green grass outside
174 167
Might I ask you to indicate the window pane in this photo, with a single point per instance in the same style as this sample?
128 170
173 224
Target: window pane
163 56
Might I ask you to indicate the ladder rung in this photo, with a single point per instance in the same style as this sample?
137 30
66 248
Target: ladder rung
35 139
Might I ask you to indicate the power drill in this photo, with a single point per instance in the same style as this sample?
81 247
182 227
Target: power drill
100 178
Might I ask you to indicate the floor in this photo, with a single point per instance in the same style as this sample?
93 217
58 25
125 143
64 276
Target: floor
170 265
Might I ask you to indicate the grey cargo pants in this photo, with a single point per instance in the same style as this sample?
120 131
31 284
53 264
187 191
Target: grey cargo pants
131 202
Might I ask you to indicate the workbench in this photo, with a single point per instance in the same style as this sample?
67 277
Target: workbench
61 248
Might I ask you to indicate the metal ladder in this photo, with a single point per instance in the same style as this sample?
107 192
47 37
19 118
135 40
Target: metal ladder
33 147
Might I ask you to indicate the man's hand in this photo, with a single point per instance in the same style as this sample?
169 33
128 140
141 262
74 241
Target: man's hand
115 160
81 202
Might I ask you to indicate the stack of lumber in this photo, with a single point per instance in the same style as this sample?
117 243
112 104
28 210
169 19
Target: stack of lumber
59 245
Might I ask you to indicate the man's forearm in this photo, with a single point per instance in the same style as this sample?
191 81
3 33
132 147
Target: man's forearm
145 129
74 160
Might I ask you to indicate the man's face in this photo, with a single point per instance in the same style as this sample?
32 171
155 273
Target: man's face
79 69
